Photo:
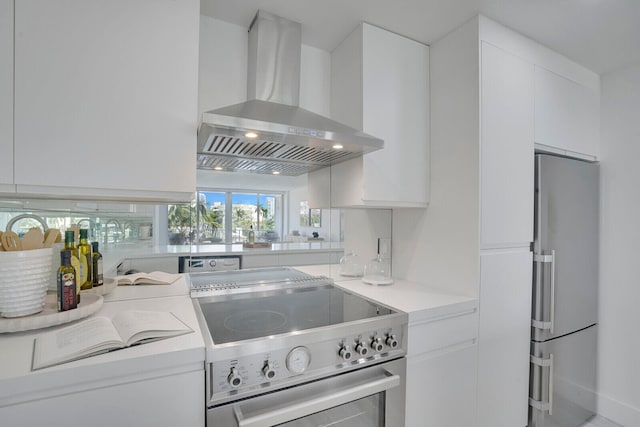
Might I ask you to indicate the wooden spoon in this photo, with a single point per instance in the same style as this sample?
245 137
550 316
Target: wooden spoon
32 239
50 237
1 247
11 241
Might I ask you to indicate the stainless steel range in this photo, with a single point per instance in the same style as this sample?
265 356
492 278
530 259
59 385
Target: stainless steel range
287 348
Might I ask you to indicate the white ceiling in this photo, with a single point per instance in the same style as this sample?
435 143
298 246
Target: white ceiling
602 35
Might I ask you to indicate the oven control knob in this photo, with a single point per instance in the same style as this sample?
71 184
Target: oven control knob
234 379
268 371
362 349
391 341
378 344
212 263
345 353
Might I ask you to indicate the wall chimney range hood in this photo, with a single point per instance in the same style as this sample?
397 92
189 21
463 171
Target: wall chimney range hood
270 133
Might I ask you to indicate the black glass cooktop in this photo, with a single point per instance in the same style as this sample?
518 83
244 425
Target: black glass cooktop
292 307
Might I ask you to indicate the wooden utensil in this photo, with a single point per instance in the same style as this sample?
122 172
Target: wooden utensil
32 239
11 241
50 237
1 246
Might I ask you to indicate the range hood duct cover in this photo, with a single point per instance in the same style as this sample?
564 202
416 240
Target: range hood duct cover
291 140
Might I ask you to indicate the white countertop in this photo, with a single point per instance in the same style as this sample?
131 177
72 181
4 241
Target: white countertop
184 353
419 300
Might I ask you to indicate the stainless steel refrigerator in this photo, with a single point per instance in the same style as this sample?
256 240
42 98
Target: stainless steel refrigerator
562 378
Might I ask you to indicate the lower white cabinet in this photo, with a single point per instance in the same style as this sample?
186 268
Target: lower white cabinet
441 371
174 400
504 338
441 388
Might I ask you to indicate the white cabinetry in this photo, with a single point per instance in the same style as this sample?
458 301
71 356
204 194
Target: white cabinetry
503 338
106 98
506 149
380 84
441 371
567 113
152 402
6 96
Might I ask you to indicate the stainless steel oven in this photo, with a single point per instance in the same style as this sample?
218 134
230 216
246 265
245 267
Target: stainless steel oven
286 348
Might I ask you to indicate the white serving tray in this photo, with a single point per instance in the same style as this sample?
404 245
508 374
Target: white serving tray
50 316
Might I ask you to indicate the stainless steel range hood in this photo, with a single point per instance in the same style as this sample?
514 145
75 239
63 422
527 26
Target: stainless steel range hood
288 140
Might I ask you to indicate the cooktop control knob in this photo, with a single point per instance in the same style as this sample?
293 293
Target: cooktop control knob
234 379
268 371
212 263
377 344
345 353
391 341
362 349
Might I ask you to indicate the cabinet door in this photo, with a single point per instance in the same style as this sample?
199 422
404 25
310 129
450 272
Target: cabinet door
6 95
506 153
504 338
106 97
567 114
441 388
153 402
395 105
380 84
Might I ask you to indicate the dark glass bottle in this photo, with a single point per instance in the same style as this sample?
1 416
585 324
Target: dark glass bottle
70 245
67 294
98 277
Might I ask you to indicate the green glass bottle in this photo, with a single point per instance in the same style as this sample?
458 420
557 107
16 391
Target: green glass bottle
67 294
70 245
96 268
84 253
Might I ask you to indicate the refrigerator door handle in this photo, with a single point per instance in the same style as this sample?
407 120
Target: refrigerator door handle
550 259
538 404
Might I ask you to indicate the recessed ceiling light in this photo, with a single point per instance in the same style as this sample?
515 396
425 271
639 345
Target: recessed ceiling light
251 135
276 172
338 146
217 168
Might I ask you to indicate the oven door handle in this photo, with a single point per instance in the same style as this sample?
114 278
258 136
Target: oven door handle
294 410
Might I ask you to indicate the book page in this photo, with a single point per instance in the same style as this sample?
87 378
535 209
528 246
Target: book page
155 278
75 341
134 326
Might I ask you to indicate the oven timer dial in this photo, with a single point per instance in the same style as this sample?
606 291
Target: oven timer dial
234 379
298 360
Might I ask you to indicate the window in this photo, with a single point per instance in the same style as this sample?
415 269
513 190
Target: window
227 217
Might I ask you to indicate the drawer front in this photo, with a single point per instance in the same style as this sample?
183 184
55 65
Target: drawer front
444 331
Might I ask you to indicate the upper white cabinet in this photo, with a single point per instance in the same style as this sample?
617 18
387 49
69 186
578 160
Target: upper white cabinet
506 149
380 85
106 98
6 95
567 113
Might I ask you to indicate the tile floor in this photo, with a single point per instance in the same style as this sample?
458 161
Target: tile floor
599 421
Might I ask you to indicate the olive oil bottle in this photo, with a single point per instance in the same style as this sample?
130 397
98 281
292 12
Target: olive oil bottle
84 253
67 294
70 245
96 269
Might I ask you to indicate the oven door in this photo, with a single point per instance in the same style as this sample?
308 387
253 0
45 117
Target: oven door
369 397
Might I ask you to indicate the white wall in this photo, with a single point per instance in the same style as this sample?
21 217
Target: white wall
619 315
